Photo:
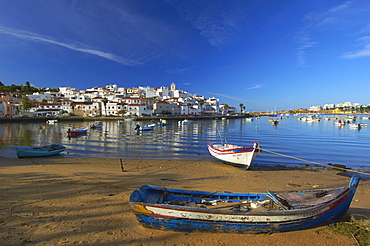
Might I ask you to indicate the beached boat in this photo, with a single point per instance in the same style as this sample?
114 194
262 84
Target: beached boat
234 154
225 212
77 132
47 150
96 125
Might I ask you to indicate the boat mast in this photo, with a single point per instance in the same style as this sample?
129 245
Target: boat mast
222 138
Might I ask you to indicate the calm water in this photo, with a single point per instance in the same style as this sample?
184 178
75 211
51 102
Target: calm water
321 142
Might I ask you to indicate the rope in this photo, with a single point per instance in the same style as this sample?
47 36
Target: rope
313 162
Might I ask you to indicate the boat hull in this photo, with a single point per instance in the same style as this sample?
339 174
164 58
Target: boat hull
77 132
39 151
184 218
235 154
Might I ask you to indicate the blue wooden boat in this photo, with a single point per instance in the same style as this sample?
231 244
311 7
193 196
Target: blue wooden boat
225 212
47 150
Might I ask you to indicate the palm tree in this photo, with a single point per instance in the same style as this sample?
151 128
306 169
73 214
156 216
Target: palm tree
225 107
188 104
104 101
201 102
241 107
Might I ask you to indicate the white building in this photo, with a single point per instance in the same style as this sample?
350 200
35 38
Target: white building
315 108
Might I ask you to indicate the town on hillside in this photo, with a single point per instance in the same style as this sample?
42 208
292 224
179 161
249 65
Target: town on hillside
112 100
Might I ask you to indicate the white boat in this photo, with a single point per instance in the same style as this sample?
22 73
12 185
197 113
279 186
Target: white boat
234 154
120 122
339 123
354 125
184 122
139 128
52 121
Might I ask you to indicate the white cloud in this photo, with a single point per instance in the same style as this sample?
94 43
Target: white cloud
364 52
220 24
304 42
255 87
37 38
230 97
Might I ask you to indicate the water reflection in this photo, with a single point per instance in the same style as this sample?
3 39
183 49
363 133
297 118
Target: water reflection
322 142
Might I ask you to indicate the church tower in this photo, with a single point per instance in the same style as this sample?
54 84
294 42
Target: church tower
173 86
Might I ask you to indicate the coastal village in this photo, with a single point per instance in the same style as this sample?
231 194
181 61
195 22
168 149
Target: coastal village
113 100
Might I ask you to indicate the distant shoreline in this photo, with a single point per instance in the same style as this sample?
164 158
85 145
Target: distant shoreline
143 118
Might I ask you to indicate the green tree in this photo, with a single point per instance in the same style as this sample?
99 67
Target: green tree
201 102
225 107
26 103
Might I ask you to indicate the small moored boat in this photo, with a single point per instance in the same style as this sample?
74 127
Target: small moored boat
47 150
225 212
162 122
96 125
139 128
77 132
52 121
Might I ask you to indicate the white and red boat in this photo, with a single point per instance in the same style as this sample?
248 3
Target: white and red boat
234 154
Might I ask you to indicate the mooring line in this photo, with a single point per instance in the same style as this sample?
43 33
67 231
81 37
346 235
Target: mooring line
313 162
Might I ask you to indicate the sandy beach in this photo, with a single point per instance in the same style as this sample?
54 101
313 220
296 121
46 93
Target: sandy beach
69 201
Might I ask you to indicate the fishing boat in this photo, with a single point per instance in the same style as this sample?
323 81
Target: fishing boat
234 154
77 132
225 212
47 150
96 125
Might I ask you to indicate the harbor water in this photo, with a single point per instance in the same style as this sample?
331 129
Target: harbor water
321 142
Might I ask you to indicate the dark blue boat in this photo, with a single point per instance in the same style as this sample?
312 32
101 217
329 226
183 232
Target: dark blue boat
225 212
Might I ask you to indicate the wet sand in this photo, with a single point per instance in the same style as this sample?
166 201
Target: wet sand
70 201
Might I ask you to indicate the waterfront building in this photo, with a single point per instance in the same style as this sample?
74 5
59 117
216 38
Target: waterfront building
161 107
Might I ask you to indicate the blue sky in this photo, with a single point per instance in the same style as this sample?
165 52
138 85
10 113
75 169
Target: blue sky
265 54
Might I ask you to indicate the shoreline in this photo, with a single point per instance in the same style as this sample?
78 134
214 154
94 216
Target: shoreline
85 201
